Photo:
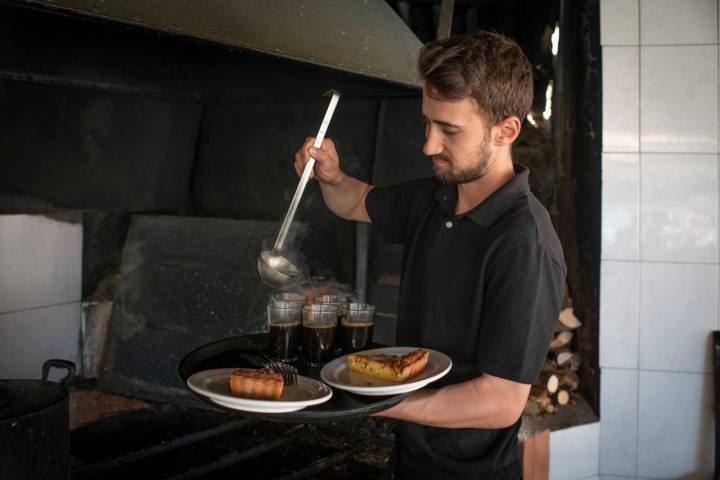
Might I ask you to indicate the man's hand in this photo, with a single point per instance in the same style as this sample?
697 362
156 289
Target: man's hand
327 164
343 194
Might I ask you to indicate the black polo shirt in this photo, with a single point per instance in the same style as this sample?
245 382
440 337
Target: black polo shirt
484 287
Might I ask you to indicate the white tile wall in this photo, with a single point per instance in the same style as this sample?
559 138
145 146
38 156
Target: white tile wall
678 22
40 291
621 206
621 105
660 396
616 477
40 262
618 421
580 444
620 311
675 425
619 23
679 204
678 310
29 337
679 99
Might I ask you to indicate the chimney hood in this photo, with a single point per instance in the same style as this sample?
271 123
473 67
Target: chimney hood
363 37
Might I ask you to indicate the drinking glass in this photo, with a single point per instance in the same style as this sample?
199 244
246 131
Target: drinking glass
319 325
356 326
290 297
285 319
338 301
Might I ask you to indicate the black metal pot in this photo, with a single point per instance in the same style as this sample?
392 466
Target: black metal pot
34 426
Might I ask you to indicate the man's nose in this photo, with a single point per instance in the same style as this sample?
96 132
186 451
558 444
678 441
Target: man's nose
433 144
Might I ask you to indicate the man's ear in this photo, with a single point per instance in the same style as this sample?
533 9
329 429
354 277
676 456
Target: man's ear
506 131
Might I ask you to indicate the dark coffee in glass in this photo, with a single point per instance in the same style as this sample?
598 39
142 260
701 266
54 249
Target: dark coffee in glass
356 326
285 322
319 325
285 341
317 342
337 301
355 336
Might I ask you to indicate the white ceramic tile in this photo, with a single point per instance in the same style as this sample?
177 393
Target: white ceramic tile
679 92
618 421
678 311
675 425
574 452
621 99
619 314
619 22
673 22
678 207
621 206
30 337
40 262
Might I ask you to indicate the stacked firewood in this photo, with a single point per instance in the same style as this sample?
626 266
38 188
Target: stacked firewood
559 375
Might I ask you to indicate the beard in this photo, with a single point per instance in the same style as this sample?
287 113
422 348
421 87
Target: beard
451 175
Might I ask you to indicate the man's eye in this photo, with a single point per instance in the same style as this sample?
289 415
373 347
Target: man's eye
448 131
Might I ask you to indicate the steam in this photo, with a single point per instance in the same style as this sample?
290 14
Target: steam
308 284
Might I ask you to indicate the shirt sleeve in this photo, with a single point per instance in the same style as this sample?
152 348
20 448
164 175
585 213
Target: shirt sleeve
523 292
390 208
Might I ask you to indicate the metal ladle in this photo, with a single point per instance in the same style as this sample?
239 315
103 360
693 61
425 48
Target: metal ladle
274 269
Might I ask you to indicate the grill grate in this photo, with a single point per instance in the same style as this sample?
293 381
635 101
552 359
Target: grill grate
171 442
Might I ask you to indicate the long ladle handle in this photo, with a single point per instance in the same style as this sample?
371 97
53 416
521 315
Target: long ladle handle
306 173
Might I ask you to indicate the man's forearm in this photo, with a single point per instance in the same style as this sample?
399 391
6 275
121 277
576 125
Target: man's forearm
346 198
477 403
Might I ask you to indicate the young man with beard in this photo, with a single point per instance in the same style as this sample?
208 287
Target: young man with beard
483 270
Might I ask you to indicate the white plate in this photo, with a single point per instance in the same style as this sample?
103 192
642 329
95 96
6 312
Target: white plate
215 385
338 375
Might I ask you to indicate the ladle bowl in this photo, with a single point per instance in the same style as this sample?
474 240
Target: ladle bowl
276 270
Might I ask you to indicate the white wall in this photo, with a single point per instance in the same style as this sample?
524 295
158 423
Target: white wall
40 293
659 273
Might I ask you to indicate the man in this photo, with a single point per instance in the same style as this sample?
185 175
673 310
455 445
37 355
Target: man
483 270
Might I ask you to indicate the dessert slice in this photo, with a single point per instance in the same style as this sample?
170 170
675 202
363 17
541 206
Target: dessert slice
395 368
262 384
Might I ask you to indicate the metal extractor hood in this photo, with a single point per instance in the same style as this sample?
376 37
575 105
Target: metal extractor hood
364 37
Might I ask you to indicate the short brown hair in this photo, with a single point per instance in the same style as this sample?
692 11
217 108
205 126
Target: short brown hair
489 67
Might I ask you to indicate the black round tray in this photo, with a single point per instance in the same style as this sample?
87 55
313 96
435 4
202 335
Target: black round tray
224 354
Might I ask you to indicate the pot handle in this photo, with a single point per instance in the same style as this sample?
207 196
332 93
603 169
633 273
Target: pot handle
61 364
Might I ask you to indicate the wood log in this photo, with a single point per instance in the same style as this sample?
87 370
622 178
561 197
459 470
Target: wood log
548 380
569 360
556 352
561 340
568 320
550 364
562 397
568 379
540 396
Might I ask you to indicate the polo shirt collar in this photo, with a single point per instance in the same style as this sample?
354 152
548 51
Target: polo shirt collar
493 206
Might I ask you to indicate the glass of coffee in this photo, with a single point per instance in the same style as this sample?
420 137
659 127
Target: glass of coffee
356 326
290 297
285 319
338 301
319 325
